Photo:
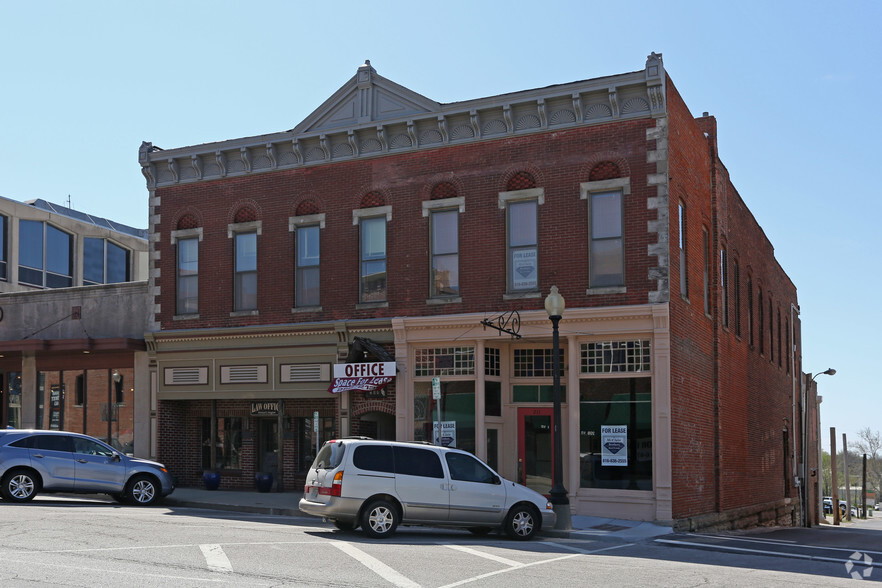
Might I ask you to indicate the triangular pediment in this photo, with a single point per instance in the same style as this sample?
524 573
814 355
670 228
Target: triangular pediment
367 98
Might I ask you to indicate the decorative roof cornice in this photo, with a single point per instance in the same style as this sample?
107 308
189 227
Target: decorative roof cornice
371 116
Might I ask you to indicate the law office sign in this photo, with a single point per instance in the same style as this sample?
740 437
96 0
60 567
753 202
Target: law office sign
366 377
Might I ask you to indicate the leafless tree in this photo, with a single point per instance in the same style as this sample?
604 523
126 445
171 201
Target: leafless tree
869 443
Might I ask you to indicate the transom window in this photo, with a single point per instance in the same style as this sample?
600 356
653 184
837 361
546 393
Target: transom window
104 262
615 356
491 361
445 361
45 255
535 363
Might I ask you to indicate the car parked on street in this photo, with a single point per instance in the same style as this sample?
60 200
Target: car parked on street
34 461
380 484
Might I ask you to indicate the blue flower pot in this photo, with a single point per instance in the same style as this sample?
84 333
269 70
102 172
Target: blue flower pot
263 481
211 480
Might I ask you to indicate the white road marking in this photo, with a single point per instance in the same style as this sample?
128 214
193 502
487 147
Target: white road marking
535 563
375 565
768 551
491 557
140 573
215 558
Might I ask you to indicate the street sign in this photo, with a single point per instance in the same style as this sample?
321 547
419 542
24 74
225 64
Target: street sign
436 388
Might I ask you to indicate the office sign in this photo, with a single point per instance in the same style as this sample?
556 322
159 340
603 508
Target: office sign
366 377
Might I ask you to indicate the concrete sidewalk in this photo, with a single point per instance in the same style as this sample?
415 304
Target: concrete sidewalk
285 504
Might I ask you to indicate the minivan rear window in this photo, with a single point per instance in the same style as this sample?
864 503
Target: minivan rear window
329 456
374 458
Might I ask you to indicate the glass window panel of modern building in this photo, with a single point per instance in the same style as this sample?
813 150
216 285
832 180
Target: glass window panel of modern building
3 249
306 292
45 255
373 259
606 262
445 253
187 300
523 270
104 262
245 289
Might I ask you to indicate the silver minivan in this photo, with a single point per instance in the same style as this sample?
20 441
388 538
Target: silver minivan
378 485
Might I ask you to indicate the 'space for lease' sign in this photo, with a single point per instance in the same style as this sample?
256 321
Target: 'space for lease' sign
362 376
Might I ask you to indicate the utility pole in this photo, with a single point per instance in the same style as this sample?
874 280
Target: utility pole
864 490
847 485
834 482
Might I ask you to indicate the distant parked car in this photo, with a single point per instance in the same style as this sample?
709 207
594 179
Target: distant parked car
34 461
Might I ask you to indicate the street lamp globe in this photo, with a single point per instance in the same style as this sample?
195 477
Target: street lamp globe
554 303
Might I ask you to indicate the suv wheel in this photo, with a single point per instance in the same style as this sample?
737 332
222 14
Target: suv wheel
142 490
19 486
380 519
522 522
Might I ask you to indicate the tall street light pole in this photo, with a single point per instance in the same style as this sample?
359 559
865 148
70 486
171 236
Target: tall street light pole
554 306
819 480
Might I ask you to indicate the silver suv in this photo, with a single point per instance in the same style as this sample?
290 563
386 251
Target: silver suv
33 461
380 484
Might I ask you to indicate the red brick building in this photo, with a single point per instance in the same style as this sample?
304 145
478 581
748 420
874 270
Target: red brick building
391 220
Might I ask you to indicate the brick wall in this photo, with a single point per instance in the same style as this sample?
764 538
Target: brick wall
559 162
730 403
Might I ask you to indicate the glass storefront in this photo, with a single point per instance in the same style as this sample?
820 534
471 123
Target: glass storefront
615 433
13 399
457 405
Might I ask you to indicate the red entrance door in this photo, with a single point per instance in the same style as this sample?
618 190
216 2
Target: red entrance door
535 455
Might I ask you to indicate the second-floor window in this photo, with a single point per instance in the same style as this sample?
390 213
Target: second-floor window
45 255
104 262
607 256
523 245
684 270
187 276
445 252
306 279
373 259
245 279
3 249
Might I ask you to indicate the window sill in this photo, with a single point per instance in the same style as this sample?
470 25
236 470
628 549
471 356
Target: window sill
236 313
305 309
606 290
185 317
369 305
450 300
522 295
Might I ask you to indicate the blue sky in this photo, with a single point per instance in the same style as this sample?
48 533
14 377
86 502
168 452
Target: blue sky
795 87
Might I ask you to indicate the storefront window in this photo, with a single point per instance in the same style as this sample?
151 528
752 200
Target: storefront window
13 395
615 433
457 414
228 449
306 448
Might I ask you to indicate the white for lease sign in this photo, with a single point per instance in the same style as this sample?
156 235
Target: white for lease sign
614 445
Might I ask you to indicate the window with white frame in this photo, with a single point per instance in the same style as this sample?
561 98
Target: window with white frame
245 279
373 259
522 237
308 258
444 238
606 226
187 276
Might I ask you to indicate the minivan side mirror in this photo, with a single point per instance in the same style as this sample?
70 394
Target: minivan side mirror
115 457
496 480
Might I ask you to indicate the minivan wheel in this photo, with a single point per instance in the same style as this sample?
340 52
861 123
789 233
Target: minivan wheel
19 486
522 522
380 519
142 490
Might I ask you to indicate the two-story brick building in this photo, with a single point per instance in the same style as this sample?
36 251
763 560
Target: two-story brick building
405 225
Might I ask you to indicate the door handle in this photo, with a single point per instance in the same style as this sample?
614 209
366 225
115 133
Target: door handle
82 461
40 455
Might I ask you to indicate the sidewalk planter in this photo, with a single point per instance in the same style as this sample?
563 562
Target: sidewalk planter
211 480
263 481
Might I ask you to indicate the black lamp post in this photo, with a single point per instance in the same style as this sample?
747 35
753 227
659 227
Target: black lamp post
554 306
819 482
